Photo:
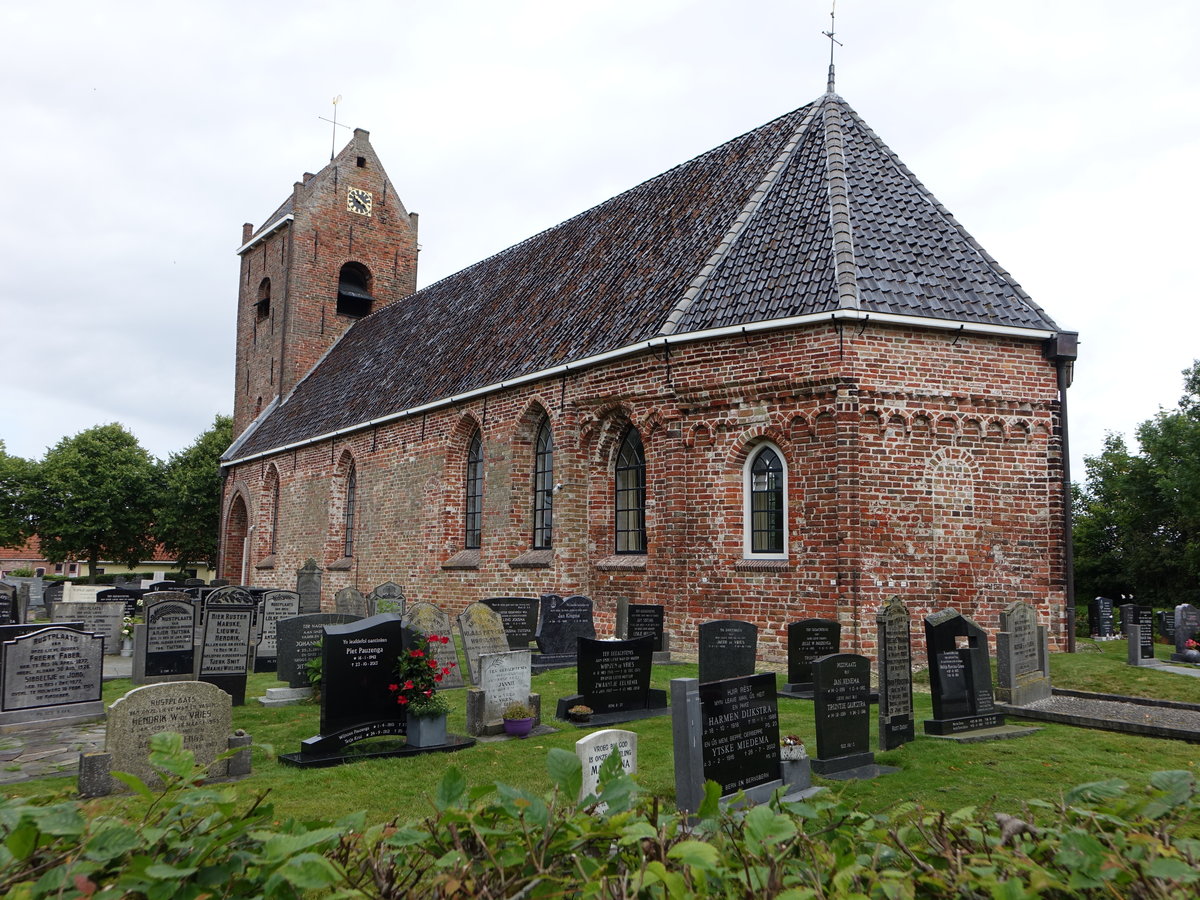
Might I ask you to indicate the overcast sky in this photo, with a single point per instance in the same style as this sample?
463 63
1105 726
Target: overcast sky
139 136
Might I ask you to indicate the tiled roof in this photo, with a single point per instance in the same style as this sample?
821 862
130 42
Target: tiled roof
741 234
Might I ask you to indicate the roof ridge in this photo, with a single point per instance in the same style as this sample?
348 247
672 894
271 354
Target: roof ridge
845 265
949 216
729 239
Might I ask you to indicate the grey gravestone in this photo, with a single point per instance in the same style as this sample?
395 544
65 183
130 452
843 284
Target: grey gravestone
219 582
308 586
277 605
561 626
225 647
520 617
51 675
808 640
193 582
164 647
728 648
1100 618
1187 627
613 679
298 640
1138 626
23 604
8 604
595 748
200 712
428 619
896 724
386 598
482 631
842 709
504 679
36 587
1022 657
960 678
350 602
104 619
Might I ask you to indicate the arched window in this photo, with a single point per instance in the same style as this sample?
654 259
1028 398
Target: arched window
766 503
274 516
474 493
351 491
263 306
354 290
543 488
631 495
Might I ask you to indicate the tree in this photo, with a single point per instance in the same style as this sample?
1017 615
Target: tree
189 515
94 496
15 473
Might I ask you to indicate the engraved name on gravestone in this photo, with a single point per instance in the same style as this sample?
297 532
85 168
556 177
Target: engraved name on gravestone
428 619
8 604
104 619
166 646
740 732
130 597
595 748
646 619
1022 656
1187 627
896 724
1100 617
614 676
351 602
807 640
727 648
842 708
225 647
53 592
308 586
482 631
201 713
562 624
520 615
505 678
1137 623
51 673
276 606
298 640
960 677
1166 624
387 598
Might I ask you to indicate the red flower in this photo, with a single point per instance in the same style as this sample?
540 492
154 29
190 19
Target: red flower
433 664
416 654
408 685
429 693
444 639
393 687
446 670
437 677
402 700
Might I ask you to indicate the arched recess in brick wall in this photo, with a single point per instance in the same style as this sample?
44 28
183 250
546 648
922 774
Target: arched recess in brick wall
237 527
344 486
268 516
454 481
735 518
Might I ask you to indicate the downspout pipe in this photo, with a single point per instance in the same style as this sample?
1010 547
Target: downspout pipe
1062 350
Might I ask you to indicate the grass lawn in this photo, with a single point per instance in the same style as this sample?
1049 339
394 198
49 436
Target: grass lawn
938 774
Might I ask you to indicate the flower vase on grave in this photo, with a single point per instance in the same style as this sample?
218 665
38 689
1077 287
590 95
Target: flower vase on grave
518 727
127 646
427 731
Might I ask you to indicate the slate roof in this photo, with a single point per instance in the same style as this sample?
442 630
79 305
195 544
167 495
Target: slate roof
745 233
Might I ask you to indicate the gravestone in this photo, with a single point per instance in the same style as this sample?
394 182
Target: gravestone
104 619
1139 631
53 593
842 710
164 646
1166 625
201 713
276 606
193 582
728 648
520 617
8 604
167 586
50 675
386 598
728 732
225 647
1187 628
613 679
226 594
23 604
960 675
807 640
1022 657
34 591
429 619
298 640
896 724
635 620
130 597
1100 618
595 748
308 586
350 602
219 582
559 630
504 679
482 631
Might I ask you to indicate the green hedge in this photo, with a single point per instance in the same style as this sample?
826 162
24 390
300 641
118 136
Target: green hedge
1098 840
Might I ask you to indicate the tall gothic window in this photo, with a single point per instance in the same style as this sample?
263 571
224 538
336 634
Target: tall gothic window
351 491
474 492
766 508
543 488
274 516
631 495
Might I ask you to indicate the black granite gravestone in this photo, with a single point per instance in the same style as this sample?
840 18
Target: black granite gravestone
960 677
561 627
740 733
808 640
170 638
131 597
167 586
276 606
842 706
614 681
646 619
8 604
896 725
520 617
1187 628
1166 625
298 640
1100 617
1141 619
225 648
727 648
53 593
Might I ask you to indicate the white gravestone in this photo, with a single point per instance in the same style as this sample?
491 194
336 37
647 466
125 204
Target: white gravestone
598 746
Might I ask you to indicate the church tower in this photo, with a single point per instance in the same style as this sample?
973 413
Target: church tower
339 248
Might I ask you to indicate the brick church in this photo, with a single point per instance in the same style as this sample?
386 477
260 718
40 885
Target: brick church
778 381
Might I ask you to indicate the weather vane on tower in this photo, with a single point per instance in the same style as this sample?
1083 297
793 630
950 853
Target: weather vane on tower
832 40
333 140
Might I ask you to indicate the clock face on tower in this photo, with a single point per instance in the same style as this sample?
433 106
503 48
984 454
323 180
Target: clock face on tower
358 201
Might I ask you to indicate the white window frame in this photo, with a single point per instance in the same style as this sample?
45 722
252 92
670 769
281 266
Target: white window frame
747 514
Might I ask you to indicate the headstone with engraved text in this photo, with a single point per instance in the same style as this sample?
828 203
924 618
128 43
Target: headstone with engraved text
520 615
960 675
428 619
896 725
728 648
